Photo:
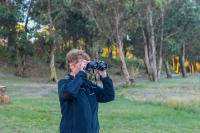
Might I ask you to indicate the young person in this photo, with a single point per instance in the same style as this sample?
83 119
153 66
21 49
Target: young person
79 97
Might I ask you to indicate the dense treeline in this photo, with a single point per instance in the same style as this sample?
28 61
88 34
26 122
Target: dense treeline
157 31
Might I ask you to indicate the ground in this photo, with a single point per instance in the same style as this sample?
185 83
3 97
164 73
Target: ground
172 105
34 107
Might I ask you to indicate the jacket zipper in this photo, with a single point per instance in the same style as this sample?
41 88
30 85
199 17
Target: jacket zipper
90 110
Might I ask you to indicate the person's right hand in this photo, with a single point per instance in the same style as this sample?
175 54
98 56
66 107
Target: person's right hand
84 64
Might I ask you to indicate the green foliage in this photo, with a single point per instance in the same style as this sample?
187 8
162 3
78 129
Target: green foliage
71 22
138 85
138 63
117 88
135 72
124 86
7 55
43 47
24 44
171 47
3 53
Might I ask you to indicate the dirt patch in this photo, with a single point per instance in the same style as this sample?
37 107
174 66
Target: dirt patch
39 72
164 93
43 88
45 91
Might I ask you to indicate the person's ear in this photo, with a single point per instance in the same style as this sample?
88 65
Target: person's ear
71 65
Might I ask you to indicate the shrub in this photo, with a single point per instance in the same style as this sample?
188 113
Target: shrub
138 63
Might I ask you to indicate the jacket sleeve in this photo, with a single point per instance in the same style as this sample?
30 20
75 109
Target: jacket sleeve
68 90
107 93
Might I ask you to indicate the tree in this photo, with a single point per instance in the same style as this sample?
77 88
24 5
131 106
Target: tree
16 34
154 32
113 19
23 42
170 48
187 19
46 13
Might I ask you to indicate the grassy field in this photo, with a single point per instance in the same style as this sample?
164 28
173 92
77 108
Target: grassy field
143 107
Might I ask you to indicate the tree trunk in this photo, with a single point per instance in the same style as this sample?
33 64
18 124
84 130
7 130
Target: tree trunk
111 57
182 60
159 67
146 53
160 52
21 55
178 64
116 51
168 72
80 44
69 42
52 66
174 64
95 57
21 60
195 67
145 65
125 51
192 67
152 44
75 41
123 64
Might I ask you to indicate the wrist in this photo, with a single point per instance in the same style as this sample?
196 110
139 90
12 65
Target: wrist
104 75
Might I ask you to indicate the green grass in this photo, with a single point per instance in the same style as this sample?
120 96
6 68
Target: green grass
29 112
178 93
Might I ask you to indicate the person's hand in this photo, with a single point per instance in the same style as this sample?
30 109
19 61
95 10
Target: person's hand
84 65
102 73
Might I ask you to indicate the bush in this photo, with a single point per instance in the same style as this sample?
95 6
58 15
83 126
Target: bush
3 53
6 55
129 62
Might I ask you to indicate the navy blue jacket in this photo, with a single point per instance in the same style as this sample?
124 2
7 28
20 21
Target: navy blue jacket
79 99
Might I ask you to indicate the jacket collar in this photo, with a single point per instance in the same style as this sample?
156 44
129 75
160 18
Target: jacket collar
85 81
69 77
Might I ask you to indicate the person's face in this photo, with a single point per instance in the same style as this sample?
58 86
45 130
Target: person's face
76 67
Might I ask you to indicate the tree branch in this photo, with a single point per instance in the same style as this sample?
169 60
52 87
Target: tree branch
98 27
171 34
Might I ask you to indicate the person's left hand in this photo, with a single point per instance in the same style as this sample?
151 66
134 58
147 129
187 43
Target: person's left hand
102 73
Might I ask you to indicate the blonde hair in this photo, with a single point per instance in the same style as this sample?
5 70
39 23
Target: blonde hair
73 56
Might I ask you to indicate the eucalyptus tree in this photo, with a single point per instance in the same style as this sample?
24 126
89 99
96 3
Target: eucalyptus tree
9 17
46 13
75 27
192 53
13 13
23 41
187 15
154 32
113 20
136 44
170 48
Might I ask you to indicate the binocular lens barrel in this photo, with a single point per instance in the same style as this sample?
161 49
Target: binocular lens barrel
103 66
96 65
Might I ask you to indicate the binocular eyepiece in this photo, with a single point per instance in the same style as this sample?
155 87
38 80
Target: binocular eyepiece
96 65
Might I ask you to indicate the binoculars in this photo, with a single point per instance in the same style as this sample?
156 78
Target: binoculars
96 65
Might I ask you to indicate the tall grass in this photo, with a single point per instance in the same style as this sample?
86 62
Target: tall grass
176 93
